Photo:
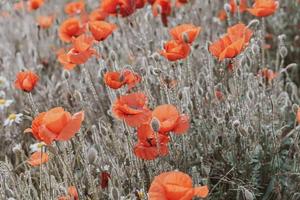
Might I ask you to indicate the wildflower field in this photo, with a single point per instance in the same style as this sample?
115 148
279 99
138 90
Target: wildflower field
149 99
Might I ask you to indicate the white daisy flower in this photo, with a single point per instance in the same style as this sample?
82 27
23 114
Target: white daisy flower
3 82
5 103
36 146
13 118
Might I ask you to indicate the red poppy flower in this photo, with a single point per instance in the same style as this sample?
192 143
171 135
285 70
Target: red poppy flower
81 50
70 28
38 158
104 178
114 80
45 21
175 185
175 50
263 8
34 4
170 119
97 15
150 144
126 7
189 31
101 29
55 124
132 108
73 8
162 7
222 15
232 44
26 81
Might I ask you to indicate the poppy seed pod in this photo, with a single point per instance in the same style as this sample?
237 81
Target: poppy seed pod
283 51
155 124
78 96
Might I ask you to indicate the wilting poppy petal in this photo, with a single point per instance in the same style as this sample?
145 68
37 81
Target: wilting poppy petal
104 178
38 158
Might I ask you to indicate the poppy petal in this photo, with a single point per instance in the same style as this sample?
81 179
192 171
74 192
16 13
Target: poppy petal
72 127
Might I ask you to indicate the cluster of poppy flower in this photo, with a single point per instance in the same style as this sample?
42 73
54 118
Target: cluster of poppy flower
153 127
261 8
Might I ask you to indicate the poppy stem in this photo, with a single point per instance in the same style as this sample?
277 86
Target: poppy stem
33 105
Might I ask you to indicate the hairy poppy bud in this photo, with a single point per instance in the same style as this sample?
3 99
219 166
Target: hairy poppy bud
295 108
78 96
113 56
92 155
283 51
66 74
155 125
236 123
255 49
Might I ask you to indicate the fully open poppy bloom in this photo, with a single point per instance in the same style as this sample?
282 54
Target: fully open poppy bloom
81 50
101 29
185 33
122 7
73 8
116 80
38 158
55 124
175 185
70 28
45 21
162 7
132 109
34 4
170 119
230 45
97 15
175 50
242 7
26 81
263 8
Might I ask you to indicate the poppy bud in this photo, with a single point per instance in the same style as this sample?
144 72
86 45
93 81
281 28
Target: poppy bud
227 8
78 96
66 74
236 123
156 56
92 155
155 125
283 51
114 193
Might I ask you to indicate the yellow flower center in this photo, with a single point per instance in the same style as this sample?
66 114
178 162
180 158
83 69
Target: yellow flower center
2 101
12 116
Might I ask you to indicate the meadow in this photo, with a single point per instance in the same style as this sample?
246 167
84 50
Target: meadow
149 99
